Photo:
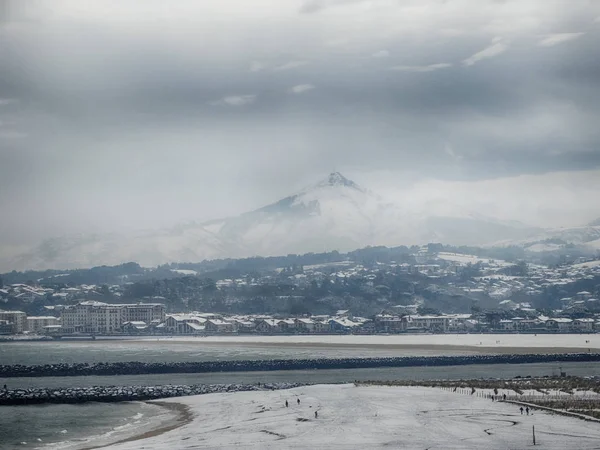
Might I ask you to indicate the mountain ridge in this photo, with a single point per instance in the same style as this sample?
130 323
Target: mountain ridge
333 214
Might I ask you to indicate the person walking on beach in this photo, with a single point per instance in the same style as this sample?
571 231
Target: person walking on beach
504 397
521 410
316 414
298 400
527 409
286 404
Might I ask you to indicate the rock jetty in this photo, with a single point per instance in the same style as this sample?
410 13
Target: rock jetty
144 368
35 396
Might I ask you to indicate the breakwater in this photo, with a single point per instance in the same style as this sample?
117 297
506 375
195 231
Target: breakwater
146 368
36 396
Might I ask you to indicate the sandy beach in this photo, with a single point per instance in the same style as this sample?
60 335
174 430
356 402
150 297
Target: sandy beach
351 417
472 343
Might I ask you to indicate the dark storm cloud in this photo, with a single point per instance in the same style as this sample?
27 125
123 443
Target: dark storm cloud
111 108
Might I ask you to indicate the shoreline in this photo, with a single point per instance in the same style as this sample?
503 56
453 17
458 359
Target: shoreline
486 350
184 416
396 416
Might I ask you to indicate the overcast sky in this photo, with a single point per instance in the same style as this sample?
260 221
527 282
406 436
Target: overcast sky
122 114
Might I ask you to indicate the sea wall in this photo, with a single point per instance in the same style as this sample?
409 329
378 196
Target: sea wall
142 368
37 396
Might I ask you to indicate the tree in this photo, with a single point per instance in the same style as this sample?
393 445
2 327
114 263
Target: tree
426 311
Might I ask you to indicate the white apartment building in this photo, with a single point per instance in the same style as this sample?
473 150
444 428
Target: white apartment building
36 324
17 318
432 323
144 312
104 318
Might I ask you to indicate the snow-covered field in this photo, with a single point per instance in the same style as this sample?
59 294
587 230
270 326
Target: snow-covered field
588 264
363 417
487 341
465 259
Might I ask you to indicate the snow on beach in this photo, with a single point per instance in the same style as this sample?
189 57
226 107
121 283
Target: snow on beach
474 341
362 417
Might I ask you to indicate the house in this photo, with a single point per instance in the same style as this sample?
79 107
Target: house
389 323
507 305
583 325
193 328
583 295
36 324
342 325
287 325
268 326
218 326
321 326
305 325
507 325
560 324
134 327
52 329
178 323
244 326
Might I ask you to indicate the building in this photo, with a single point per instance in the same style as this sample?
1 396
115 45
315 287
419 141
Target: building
103 318
389 323
305 325
144 312
36 324
218 326
183 324
583 325
268 326
508 325
6 327
342 325
559 324
134 327
430 323
18 319
244 326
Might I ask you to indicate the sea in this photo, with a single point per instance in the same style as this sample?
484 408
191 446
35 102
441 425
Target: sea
69 427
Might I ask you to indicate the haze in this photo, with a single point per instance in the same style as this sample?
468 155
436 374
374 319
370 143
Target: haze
118 115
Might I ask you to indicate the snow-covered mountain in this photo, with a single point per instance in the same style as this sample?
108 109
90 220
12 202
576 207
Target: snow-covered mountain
333 214
554 239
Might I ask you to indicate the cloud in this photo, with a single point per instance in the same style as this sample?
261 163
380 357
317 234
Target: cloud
234 100
558 38
11 134
449 150
291 65
8 101
299 89
381 54
256 66
429 68
315 6
149 87
497 48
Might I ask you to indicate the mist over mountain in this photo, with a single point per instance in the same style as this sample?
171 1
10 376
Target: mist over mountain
332 214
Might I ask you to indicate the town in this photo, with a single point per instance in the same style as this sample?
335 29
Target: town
424 289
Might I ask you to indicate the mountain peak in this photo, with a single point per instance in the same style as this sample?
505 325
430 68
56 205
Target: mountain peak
337 179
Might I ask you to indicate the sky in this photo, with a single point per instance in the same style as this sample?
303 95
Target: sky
120 115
